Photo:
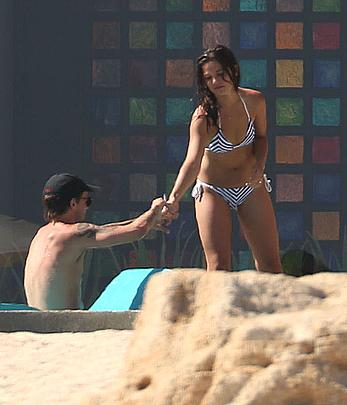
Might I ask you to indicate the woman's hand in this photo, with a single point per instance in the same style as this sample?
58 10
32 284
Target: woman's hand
170 211
199 113
257 176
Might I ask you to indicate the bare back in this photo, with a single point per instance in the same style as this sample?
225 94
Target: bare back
52 276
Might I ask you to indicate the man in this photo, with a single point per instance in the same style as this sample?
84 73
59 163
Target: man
54 265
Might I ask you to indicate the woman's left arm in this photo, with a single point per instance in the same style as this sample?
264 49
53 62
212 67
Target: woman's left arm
260 141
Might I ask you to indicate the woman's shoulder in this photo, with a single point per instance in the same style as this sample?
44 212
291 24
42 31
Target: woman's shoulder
200 121
251 93
253 98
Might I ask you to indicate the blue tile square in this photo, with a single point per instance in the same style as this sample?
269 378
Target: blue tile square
326 188
253 35
326 73
290 225
106 111
178 111
179 35
326 111
253 73
176 147
253 5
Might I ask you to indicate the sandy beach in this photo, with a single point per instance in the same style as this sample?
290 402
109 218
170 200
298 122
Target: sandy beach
59 368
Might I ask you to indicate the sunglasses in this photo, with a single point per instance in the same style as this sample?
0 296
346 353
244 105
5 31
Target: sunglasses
88 200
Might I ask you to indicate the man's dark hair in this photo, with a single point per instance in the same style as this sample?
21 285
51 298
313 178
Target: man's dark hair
55 205
231 68
59 190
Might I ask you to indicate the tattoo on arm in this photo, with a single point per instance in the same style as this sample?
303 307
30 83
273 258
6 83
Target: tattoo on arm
90 230
86 230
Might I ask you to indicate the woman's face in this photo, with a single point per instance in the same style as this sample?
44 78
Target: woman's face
216 79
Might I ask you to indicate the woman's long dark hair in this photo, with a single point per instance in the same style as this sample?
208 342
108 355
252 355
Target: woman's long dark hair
230 66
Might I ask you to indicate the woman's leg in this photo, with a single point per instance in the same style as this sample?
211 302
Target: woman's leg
258 222
213 216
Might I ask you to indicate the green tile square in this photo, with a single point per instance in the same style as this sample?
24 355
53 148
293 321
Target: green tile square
253 72
170 181
326 111
142 111
326 5
179 35
143 5
289 111
178 111
253 5
179 5
142 35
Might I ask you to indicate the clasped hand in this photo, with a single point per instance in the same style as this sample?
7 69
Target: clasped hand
167 211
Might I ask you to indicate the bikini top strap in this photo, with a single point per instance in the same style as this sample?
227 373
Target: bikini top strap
245 106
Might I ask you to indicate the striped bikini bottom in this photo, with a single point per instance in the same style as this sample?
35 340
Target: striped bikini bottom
234 196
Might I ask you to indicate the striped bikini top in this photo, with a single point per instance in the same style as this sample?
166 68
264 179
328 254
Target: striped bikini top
219 144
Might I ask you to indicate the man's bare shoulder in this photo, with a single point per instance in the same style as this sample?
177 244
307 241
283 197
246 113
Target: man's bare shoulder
66 232
55 230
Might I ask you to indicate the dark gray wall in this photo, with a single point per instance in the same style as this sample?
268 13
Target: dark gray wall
51 73
6 107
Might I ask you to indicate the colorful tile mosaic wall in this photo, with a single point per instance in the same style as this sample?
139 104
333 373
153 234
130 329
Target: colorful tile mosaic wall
142 91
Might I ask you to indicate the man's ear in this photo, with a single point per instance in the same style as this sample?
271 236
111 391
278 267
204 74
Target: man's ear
73 202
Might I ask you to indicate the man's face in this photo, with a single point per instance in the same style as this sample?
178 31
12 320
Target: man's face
82 205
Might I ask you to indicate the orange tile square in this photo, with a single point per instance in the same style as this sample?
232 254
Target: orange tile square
289 187
106 150
289 73
326 225
216 5
289 35
290 149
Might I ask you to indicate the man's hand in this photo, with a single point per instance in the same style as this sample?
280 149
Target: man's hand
159 222
157 208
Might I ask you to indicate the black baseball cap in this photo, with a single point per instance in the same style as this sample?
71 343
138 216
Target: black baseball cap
66 185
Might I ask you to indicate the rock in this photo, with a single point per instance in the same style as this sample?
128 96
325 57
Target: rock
247 338
298 262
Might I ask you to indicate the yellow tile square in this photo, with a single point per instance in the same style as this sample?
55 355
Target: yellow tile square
289 73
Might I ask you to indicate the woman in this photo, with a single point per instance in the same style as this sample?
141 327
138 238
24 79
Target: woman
226 154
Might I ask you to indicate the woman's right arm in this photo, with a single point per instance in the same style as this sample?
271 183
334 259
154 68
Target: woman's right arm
198 140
